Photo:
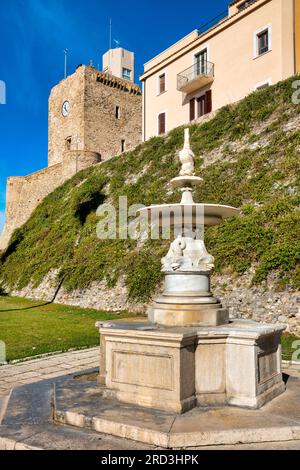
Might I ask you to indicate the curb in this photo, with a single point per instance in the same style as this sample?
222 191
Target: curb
11 444
44 356
169 440
291 363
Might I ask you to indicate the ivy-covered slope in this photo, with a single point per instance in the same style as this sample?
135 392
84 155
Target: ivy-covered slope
248 155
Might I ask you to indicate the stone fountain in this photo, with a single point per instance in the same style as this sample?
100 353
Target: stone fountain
187 299
190 353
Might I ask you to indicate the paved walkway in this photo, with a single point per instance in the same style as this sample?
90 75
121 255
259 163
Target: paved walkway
13 375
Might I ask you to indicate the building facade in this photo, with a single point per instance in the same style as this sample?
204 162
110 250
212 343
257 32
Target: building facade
256 45
93 116
120 63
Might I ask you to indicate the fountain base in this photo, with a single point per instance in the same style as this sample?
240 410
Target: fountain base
179 368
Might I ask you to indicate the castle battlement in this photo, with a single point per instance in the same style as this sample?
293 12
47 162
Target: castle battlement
119 83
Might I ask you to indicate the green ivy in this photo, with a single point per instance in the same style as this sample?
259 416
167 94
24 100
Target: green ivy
264 182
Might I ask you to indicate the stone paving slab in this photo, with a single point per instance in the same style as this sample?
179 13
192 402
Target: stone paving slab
51 437
28 424
34 370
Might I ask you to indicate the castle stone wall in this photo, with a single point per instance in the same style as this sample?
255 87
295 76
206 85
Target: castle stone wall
24 194
262 303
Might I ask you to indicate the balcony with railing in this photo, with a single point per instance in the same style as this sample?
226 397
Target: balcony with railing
195 77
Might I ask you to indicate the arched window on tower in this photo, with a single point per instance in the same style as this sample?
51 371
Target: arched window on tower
68 143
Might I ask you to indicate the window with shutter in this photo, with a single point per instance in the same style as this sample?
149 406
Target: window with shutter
161 123
208 101
192 109
162 83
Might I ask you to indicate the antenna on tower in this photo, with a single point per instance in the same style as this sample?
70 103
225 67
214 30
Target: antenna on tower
66 61
110 43
110 33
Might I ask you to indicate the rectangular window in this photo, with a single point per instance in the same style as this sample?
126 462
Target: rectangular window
118 112
262 86
263 42
192 109
122 145
126 74
201 101
162 123
201 63
162 83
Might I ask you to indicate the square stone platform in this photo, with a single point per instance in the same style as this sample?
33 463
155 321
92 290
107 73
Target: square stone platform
179 368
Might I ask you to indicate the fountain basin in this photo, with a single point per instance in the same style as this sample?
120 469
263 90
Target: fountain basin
184 181
199 214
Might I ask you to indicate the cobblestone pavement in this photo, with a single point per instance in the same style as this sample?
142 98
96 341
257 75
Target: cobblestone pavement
13 375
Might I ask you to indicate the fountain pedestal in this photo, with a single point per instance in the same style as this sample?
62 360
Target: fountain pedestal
190 354
187 301
176 369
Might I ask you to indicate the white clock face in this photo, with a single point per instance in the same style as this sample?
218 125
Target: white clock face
66 108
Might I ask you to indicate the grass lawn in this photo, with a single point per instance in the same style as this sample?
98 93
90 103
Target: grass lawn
30 328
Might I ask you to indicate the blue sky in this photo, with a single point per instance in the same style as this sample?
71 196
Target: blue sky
33 35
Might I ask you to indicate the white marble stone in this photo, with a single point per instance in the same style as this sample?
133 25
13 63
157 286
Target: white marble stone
179 368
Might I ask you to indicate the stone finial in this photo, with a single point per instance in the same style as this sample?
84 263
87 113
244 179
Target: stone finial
187 157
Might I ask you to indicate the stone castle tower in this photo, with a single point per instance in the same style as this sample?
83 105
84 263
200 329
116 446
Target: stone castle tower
93 116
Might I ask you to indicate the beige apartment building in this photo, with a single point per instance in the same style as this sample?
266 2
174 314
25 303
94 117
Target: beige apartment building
256 45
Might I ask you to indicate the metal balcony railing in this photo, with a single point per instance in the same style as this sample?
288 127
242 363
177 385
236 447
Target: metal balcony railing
199 74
